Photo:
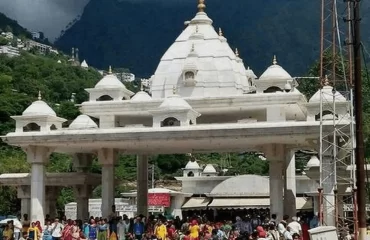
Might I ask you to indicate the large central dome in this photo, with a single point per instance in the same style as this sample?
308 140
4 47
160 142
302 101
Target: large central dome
200 63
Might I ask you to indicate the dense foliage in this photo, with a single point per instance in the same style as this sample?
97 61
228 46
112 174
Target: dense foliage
10 25
136 34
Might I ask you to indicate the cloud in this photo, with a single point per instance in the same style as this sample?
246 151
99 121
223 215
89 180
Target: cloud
48 16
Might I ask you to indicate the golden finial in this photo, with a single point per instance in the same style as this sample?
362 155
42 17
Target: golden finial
220 33
39 97
274 61
237 52
110 70
174 90
201 6
326 81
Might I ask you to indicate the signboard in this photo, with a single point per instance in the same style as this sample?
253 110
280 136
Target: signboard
323 233
349 207
159 199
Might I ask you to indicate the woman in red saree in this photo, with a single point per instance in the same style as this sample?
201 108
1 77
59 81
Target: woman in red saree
67 231
38 225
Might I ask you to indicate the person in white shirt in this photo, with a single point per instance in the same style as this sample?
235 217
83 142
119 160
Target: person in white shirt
17 229
295 226
56 229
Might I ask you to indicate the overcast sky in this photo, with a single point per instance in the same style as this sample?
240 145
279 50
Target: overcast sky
48 16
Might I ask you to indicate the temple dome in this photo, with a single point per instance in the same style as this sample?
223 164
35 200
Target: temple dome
236 186
84 64
275 72
141 96
39 108
313 162
110 81
215 72
83 122
209 169
192 165
327 93
174 102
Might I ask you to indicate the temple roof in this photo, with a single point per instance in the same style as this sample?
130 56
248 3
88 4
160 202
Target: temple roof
39 108
216 68
243 185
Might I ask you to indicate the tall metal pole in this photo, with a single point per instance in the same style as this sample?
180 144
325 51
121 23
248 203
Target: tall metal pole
360 162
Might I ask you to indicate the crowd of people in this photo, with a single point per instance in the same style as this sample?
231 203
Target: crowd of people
159 228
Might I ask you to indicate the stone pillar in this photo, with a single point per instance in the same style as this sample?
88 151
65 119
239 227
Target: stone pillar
37 157
290 207
275 155
82 194
328 185
108 121
142 184
316 205
52 194
107 158
24 193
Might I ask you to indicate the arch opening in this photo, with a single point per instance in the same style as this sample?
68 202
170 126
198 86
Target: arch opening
105 98
32 127
170 122
273 89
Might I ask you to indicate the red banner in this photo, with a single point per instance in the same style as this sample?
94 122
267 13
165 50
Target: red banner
159 199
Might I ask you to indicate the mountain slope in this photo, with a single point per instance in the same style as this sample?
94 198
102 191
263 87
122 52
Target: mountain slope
135 34
10 24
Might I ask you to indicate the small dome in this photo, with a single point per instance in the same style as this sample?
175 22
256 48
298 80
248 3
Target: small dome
313 162
141 96
110 81
249 72
84 64
83 122
209 169
327 94
174 102
192 165
39 108
275 72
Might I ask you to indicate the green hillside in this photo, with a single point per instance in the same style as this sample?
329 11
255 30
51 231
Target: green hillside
10 25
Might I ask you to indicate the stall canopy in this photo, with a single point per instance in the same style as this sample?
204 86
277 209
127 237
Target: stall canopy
239 203
250 203
196 203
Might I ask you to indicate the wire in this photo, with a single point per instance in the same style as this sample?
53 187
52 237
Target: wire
340 45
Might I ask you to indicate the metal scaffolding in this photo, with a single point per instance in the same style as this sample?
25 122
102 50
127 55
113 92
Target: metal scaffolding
337 192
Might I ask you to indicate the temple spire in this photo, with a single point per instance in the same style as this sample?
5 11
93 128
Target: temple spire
39 96
274 60
220 33
326 81
237 52
201 6
110 70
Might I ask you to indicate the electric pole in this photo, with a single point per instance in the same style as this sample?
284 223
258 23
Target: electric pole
360 162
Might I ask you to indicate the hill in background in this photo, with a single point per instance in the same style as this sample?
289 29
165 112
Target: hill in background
135 34
7 24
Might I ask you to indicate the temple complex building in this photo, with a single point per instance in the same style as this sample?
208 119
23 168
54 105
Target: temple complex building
202 99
